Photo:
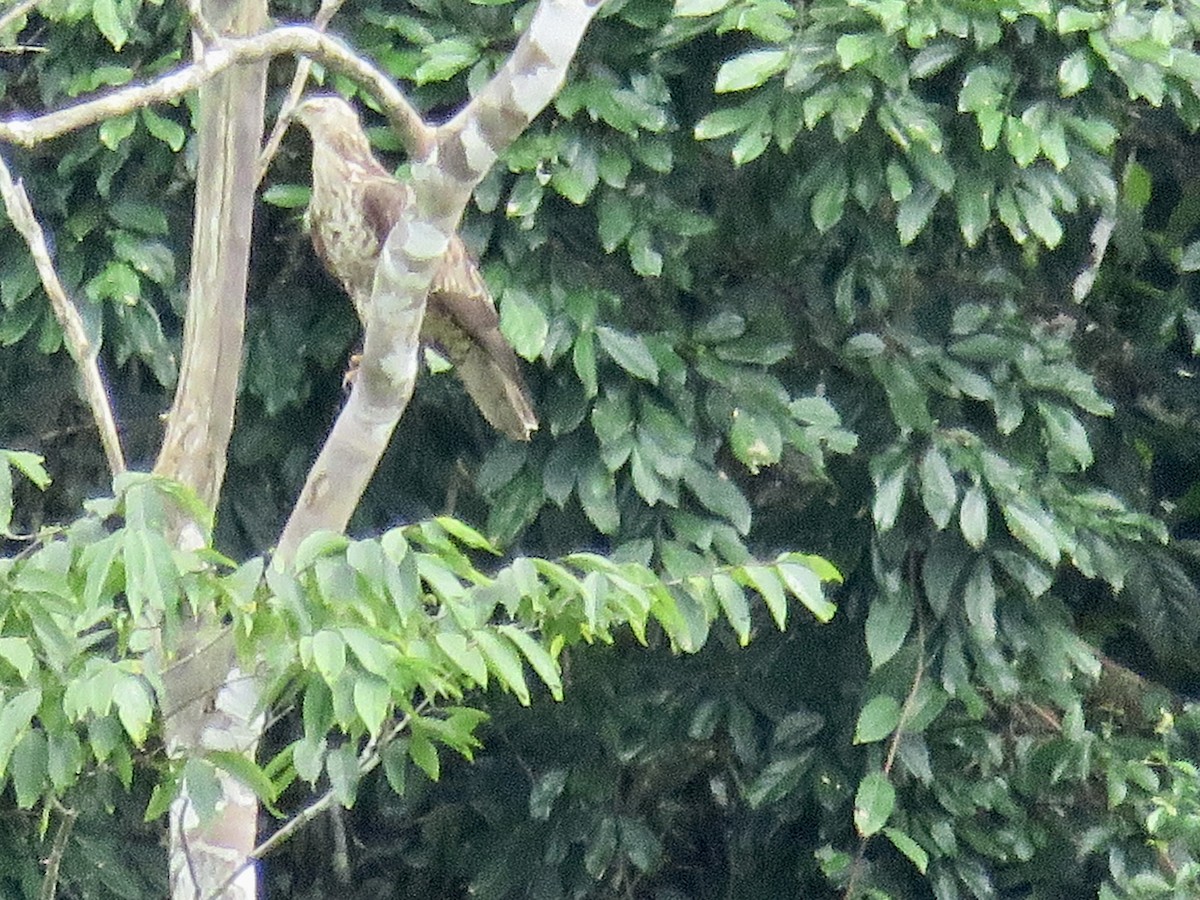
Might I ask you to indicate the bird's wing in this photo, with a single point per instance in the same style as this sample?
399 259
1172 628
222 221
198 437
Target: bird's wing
383 199
461 317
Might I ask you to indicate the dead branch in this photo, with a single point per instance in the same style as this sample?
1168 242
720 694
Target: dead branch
82 351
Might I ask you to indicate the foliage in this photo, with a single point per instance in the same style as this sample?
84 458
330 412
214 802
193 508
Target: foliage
908 285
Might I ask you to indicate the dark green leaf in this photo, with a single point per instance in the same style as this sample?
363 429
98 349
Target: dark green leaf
873 803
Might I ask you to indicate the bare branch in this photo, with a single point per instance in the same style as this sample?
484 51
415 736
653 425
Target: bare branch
82 351
54 861
326 13
299 40
368 761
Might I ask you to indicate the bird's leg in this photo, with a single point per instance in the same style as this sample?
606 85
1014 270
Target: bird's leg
351 372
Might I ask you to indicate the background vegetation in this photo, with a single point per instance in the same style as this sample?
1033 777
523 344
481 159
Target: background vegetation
908 285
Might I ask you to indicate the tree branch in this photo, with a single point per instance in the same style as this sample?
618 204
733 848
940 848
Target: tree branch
321 21
83 352
299 40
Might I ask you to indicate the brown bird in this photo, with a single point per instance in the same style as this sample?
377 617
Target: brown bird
355 202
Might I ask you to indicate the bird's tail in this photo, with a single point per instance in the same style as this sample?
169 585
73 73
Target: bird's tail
502 398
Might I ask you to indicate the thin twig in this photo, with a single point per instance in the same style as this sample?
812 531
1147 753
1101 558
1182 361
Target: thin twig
299 40
368 760
321 21
54 860
17 10
203 33
82 351
187 850
906 714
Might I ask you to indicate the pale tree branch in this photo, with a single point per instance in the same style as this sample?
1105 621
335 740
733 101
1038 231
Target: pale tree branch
225 52
441 185
321 21
82 350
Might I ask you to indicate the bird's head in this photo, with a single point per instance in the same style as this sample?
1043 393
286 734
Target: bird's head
326 112
333 123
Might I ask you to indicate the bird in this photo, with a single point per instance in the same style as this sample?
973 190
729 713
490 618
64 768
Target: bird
355 202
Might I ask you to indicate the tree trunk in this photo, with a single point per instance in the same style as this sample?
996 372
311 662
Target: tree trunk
210 706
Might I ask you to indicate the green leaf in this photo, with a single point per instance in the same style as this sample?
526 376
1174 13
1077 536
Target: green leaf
973 516
805 585
134 708
733 603
523 323
444 59
688 8
464 655
1032 527
1040 218
717 493
979 598
1189 261
372 702
583 358
939 492
829 201
749 70
342 766
503 660
888 622
614 219
108 20
1065 437
889 490
601 847
29 768
778 779
644 258
547 788
288 196
1074 73
756 440
17 653
202 788
31 465
166 130
541 660
767 583
629 352
244 769
873 803
915 852
640 845
1022 141
878 719
597 492
329 655
973 200
853 49
914 211
114 131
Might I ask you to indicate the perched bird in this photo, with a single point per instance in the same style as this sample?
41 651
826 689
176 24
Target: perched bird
355 202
